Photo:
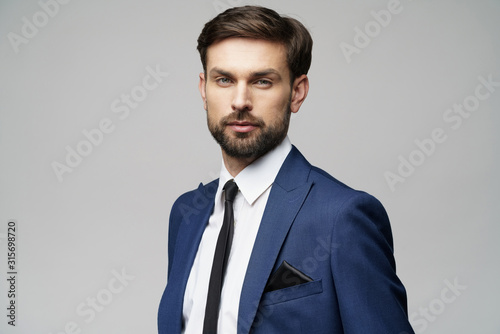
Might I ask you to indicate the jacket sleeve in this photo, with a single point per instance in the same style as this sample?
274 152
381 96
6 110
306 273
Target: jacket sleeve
371 297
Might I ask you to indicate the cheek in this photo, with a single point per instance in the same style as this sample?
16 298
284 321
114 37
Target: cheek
271 106
217 100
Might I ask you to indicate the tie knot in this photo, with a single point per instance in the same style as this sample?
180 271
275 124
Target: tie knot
231 189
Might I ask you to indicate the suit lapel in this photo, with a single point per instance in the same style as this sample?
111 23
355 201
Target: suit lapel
288 193
190 234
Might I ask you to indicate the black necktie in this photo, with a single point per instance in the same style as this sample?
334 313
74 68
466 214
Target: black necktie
220 261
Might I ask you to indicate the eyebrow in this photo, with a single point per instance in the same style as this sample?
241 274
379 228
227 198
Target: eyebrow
261 73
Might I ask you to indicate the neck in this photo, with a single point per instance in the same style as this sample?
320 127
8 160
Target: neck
235 165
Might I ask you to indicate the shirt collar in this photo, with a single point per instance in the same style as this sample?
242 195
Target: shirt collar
259 175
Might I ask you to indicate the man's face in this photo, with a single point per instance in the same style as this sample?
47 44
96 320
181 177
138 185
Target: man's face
247 95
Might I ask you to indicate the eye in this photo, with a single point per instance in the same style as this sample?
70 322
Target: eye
223 81
263 83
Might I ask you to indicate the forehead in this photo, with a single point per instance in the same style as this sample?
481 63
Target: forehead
245 55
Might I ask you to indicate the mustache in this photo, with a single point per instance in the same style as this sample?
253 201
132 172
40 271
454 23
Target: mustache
242 115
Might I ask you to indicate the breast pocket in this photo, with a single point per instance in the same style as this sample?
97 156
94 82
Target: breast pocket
292 293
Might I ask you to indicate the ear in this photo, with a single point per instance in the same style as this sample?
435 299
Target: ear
202 88
300 88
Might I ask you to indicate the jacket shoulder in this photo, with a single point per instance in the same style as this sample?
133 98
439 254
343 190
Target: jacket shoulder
187 208
324 180
193 202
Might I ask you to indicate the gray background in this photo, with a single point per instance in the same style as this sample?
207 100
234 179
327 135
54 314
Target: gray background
110 213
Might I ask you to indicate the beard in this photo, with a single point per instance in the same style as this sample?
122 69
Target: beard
253 144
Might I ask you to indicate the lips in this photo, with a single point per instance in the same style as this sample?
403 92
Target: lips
242 126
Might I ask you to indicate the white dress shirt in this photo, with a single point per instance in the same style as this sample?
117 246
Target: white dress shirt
254 183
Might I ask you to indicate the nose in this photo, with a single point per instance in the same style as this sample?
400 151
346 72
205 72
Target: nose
242 99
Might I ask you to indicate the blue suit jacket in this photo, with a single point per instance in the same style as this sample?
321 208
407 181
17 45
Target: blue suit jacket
338 236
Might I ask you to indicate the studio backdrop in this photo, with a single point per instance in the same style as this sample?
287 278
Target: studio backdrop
102 127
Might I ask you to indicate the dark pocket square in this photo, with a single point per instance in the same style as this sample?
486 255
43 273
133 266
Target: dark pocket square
286 276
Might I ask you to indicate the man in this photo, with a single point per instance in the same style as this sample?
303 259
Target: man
282 247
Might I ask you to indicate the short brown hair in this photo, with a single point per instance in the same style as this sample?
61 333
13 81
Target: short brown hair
260 23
